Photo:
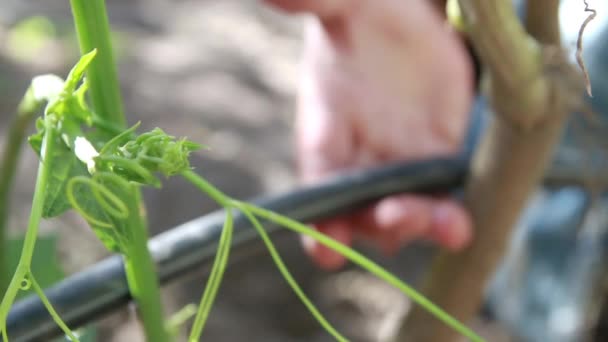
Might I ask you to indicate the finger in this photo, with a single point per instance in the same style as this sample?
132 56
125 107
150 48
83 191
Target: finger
324 141
451 225
396 220
337 229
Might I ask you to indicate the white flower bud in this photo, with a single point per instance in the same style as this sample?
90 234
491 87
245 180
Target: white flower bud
85 151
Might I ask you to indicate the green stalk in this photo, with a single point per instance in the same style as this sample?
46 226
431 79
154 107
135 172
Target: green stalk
178 319
142 277
289 278
93 29
49 307
206 187
27 252
16 135
213 284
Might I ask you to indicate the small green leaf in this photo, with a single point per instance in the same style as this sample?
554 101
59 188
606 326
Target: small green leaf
122 138
35 140
102 200
64 166
70 104
78 71
70 108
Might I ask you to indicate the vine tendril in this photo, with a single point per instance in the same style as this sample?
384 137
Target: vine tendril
137 172
107 200
592 13
47 304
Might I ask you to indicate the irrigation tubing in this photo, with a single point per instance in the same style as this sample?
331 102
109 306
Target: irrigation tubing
102 287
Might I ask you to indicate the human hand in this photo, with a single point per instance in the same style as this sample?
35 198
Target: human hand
381 81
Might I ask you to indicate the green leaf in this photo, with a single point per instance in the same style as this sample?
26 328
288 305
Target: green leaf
78 71
70 104
109 228
110 239
119 140
35 140
64 166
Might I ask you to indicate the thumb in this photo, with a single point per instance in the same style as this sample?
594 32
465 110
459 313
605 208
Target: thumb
325 145
324 142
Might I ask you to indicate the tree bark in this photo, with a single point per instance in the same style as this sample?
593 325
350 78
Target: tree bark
531 106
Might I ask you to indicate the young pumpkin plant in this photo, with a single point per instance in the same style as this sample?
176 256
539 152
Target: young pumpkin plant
89 164
82 169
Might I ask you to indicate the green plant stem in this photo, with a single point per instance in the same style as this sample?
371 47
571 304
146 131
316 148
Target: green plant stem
8 166
93 29
141 275
47 304
213 192
180 318
365 263
213 284
23 267
288 277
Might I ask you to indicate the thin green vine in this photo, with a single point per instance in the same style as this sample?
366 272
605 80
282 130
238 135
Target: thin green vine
217 272
28 107
250 211
228 204
23 267
49 308
287 275
367 264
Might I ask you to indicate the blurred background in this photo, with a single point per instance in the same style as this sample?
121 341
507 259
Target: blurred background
222 73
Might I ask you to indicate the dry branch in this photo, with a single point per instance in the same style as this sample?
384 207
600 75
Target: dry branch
531 101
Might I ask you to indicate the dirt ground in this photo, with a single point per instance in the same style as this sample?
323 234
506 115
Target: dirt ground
222 73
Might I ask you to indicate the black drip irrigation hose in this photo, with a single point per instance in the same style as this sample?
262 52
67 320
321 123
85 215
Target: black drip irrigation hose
102 288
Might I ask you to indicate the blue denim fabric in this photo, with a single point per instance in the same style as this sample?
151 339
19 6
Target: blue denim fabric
542 291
